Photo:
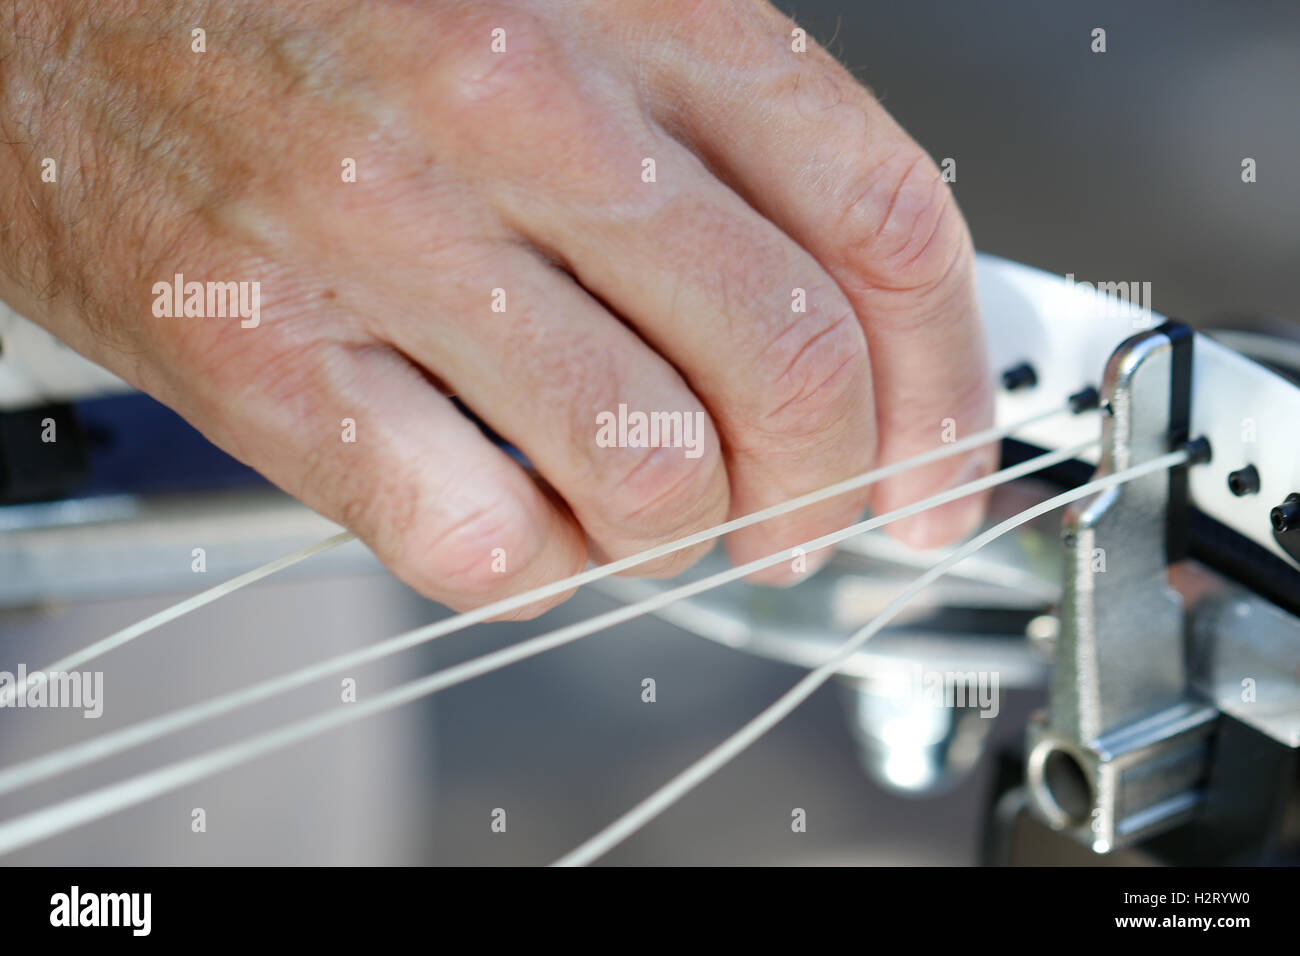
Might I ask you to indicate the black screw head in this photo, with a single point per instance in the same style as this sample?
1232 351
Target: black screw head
1199 451
1085 400
1019 376
1244 481
1286 516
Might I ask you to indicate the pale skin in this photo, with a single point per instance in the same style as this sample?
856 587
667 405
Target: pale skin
479 170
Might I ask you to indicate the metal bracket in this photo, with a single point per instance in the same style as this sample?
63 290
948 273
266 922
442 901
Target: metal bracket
1123 747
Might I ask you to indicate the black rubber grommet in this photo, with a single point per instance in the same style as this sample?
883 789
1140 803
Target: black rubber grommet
1244 481
1019 376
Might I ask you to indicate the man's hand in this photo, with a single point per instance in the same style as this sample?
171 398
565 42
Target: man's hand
558 207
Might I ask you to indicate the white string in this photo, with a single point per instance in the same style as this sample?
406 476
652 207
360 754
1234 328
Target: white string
41 824
507 605
48 765
716 759
155 621
512 604
26 773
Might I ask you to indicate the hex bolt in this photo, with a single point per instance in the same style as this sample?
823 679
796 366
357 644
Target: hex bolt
1244 481
1286 516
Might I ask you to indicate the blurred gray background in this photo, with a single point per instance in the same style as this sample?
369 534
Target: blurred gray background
1117 166
1114 166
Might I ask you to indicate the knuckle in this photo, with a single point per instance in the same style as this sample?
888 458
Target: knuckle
901 230
375 505
817 368
661 491
823 92
570 374
456 552
497 60
501 111
720 254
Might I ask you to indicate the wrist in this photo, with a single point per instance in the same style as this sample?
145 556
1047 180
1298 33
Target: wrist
35 48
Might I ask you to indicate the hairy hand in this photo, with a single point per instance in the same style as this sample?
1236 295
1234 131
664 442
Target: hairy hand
548 208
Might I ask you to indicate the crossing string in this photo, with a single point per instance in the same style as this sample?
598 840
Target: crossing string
508 605
38 825
716 759
31 827
57 762
154 621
